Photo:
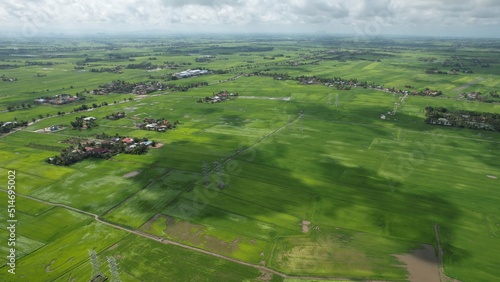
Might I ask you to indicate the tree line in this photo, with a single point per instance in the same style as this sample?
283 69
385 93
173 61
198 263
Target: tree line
109 147
462 118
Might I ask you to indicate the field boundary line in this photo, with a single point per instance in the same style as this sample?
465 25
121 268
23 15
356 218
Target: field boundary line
134 194
442 275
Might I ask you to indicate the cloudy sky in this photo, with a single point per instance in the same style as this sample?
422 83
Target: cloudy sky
29 18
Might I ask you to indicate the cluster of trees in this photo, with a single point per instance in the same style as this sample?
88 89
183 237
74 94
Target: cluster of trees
464 62
143 66
435 71
219 97
204 59
123 87
159 125
117 56
89 60
29 63
478 96
67 157
340 83
106 149
462 118
174 65
117 69
116 116
165 76
92 60
6 127
8 66
185 88
426 59
346 84
425 92
21 106
216 50
8 79
84 122
84 107
117 86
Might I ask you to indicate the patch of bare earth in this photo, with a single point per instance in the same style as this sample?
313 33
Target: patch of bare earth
265 276
158 146
422 265
132 174
182 231
305 226
492 176
114 246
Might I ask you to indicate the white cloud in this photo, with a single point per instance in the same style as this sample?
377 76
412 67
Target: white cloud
382 16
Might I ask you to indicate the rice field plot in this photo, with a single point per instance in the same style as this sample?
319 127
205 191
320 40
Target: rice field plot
164 262
143 205
30 162
336 192
93 186
53 260
338 252
203 213
211 238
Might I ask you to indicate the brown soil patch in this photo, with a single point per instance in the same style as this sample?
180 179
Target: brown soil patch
182 231
492 176
169 221
265 276
114 246
422 265
158 146
305 226
132 174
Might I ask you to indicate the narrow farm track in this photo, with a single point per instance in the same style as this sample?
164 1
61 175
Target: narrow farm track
170 242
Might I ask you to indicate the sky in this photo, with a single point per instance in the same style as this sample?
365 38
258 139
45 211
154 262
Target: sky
371 18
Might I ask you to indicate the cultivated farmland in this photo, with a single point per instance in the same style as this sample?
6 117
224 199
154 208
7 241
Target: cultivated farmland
322 167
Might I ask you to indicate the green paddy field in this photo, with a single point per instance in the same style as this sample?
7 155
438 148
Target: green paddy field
316 186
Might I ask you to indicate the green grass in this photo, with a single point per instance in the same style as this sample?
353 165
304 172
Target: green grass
96 195
143 205
164 262
371 188
54 259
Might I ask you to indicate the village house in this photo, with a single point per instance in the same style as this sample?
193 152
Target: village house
190 73
127 140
